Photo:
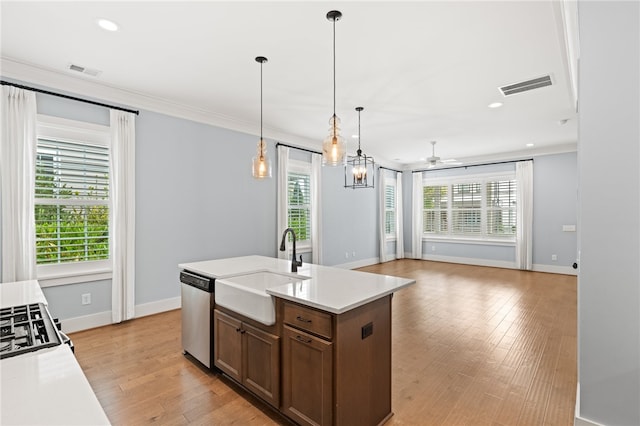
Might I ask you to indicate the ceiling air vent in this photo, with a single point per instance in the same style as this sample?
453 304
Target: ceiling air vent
83 70
524 86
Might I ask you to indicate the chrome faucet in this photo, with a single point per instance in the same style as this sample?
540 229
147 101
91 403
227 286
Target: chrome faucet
294 263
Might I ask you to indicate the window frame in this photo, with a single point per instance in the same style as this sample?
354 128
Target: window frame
483 237
65 130
393 182
303 168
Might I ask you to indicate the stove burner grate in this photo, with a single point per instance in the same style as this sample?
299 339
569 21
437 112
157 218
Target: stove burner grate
26 328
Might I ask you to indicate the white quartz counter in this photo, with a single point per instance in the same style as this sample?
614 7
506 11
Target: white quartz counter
21 293
333 290
47 386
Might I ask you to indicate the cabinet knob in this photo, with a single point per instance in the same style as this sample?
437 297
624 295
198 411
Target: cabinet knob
303 340
299 318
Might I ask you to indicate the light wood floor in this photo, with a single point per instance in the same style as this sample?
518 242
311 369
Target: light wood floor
471 345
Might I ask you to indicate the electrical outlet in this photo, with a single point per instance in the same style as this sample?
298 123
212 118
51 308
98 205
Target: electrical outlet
346 254
433 248
353 254
86 299
554 257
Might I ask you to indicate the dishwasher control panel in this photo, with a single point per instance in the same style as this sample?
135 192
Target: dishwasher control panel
198 281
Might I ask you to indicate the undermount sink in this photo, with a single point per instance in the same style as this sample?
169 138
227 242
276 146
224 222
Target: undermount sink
246 295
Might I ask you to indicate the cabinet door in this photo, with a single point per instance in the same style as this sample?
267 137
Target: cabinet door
307 378
227 348
261 364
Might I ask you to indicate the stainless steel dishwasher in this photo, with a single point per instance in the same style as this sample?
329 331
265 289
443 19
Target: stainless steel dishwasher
197 308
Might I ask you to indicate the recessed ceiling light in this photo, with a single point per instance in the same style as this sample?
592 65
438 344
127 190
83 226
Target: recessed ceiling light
529 145
354 136
106 24
495 105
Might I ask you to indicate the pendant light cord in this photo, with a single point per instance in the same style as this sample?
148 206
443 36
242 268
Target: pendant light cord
334 70
261 107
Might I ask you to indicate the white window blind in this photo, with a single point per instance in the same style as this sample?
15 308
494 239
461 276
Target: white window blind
436 215
299 205
390 210
501 207
483 207
71 201
465 209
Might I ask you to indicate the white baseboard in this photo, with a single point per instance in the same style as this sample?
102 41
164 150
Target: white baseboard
358 263
470 261
553 269
580 421
71 325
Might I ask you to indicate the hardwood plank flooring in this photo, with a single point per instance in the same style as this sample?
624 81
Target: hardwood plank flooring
471 346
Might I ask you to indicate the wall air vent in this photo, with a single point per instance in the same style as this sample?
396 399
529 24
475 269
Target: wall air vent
87 71
524 86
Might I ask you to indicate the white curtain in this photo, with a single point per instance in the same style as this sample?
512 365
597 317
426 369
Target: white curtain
17 173
316 209
122 184
399 222
524 214
382 242
416 216
281 196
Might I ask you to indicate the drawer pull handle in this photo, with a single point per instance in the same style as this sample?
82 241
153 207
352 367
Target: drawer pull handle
299 318
303 340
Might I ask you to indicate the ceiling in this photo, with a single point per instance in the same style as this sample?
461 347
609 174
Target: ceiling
423 71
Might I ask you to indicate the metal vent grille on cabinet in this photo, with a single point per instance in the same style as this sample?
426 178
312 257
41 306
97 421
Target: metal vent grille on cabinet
524 86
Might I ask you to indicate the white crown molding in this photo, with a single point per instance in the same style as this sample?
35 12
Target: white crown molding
90 88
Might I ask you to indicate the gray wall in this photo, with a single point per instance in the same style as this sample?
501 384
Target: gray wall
609 206
555 203
196 200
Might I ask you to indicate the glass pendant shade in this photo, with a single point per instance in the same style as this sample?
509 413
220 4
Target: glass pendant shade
261 163
334 148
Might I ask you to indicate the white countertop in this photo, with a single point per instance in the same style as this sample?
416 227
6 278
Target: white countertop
330 289
47 386
21 293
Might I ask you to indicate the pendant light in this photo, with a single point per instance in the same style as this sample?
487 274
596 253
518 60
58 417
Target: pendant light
261 164
359 170
334 146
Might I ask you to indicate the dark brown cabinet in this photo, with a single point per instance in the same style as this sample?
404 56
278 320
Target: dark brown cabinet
248 355
307 377
336 368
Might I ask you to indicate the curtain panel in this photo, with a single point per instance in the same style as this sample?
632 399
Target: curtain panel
399 218
524 215
17 174
281 196
316 209
417 206
382 241
122 183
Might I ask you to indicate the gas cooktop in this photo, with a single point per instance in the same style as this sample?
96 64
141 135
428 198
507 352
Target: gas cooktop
26 328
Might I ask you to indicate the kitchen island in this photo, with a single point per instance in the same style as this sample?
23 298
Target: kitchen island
326 358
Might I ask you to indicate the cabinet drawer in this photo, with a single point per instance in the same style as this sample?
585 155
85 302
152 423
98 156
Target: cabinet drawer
315 322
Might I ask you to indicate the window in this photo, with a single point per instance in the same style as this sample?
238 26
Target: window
481 207
435 216
390 210
71 195
299 203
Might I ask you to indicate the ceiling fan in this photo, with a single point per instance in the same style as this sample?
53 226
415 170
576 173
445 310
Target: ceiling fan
434 161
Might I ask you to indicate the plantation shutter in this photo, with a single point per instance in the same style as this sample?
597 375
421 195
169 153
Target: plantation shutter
71 202
501 207
389 209
435 214
466 208
299 205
